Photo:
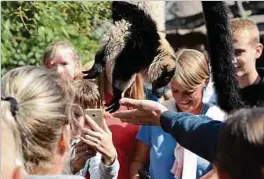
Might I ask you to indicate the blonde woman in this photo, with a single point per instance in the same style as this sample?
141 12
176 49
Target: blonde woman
157 147
38 100
11 151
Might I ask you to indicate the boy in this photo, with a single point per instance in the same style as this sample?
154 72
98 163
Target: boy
90 159
247 50
86 93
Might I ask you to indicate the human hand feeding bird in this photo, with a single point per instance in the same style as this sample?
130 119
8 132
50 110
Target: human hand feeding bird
135 43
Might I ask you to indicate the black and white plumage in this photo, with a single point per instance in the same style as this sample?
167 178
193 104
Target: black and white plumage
135 43
221 51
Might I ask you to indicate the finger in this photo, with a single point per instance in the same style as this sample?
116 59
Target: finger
144 120
131 103
91 133
133 114
105 127
90 139
143 105
93 124
130 120
121 114
93 143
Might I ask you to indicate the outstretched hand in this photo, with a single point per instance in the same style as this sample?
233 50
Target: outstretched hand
145 112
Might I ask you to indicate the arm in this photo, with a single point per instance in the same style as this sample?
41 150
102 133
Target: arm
105 163
140 159
198 134
99 170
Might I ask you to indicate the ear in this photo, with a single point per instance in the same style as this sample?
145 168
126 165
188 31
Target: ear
259 48
64 142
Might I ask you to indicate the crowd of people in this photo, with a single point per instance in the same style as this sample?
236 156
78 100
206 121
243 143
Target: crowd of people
46 133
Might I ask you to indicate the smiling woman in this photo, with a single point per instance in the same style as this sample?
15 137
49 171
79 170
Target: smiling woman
165 155
191 78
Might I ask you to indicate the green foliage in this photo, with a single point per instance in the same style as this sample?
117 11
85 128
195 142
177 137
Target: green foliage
27 28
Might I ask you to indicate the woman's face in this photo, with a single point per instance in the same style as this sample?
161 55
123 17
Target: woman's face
186 101
65 65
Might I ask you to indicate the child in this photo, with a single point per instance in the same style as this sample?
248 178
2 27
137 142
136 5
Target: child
100 159
62 57
247 50
86 93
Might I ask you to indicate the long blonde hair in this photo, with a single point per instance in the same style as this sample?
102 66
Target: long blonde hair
43 100
191 68
9 129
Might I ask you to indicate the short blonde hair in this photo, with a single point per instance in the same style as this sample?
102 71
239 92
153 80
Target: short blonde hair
86 93
52 53
240 26
43 101
191 69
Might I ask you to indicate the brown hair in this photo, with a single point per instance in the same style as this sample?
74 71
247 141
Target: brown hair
240 25
191 68
86 93
240 150
43 101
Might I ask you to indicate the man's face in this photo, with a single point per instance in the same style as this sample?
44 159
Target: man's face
246 53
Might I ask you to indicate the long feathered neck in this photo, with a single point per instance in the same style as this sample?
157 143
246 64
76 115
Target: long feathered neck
221 53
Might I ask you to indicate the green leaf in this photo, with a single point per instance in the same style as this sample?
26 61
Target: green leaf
47 22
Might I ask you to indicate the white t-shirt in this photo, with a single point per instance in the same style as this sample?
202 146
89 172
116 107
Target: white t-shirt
209 95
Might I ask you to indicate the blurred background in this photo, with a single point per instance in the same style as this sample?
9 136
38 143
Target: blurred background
27 28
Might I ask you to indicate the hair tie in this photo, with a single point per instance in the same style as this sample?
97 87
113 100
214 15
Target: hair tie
14 104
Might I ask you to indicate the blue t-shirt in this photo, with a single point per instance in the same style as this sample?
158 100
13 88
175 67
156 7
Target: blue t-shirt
162 146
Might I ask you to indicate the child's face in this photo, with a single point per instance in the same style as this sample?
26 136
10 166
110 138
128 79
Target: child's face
65 65
246 54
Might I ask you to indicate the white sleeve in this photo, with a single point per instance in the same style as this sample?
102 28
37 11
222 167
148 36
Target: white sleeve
98 170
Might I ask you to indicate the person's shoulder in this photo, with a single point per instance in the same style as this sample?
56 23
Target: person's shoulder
215 113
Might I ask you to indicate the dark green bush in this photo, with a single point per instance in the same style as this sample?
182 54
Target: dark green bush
27 28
